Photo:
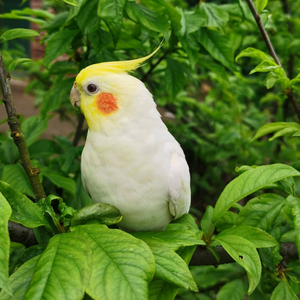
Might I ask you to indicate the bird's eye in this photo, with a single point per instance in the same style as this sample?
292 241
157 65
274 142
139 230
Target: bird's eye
92 88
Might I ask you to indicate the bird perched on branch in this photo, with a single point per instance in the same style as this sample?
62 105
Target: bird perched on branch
130 159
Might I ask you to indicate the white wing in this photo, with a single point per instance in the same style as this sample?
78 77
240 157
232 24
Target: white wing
180 193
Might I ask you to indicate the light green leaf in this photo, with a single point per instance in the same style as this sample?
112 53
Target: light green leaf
226 221
255 53
20 280
27 18
111 12
245 254
17 62
64 182
33 127
5 212
16 33
232 290
161 290
206 221
63 270
265 66
34 12
215 15
141 14
261 211
120 259
101 212
170 267
258 237
283 291
58 44
174 76
249 182
71 2
218 45
277 127
260 5
16 176
24 211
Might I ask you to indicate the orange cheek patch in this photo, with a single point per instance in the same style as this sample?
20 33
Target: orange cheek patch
107 103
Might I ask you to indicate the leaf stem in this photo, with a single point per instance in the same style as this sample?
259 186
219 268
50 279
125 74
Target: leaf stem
17 135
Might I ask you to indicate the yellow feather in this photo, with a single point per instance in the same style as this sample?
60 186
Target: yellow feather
115 67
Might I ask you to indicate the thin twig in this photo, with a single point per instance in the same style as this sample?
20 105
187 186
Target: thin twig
17 135
79 130
145 77
263 31
264 34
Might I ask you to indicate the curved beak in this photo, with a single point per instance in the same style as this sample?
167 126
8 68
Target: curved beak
75 96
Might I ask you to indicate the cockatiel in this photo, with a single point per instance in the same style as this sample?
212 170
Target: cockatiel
130 160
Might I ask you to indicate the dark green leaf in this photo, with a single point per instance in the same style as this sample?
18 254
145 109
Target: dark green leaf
218 45
127 271
100 212
24 211
249 182
59 44
16 176
5 212
174 76
16 33
88 20
146 17
232 290
215 15
57 22
261 211
111 12
18 17
43 148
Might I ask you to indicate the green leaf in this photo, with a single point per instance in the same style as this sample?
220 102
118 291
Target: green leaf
5 213
174 76
120 259
111 12
245 254
277 127
249 182
64 182
258 237
57 22
16 176
232 290
58 92
27 18
87 19
20 280
100 212
16 33
218 45
161 290
172 239
260 5
206 221
255 53
34 12
226 221
24 211
58 44
283 291
141 14
43 148
265 66
71 2
67 261
17 62
261 211
33 127
215 15
170 267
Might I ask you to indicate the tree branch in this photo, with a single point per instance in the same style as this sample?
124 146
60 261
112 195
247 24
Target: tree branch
264 34
79 130
17 135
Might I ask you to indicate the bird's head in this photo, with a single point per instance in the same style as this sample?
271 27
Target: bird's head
105 92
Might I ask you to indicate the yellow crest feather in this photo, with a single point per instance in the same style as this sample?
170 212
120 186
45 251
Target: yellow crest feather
113 66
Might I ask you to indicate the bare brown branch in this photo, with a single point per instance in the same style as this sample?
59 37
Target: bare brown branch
17 135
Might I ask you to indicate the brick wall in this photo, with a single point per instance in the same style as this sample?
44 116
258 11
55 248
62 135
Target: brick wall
37 50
